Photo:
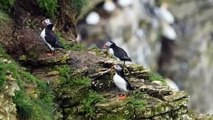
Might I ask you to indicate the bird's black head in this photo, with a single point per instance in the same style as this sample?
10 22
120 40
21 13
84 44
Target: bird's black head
109 44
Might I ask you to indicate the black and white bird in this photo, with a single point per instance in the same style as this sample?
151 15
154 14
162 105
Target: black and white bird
117 51
49 37
164 15
93 18
109 6
120 80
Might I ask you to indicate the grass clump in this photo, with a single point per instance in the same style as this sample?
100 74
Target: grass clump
34 100
137 101
3 18
6 4
49 6
78 4
2 74
89 101
70 45
156 77
80 92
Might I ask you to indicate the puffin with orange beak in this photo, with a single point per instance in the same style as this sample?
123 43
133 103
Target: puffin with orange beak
121 82
49 37
117 51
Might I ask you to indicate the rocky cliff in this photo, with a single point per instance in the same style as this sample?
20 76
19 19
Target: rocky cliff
76 83
187 60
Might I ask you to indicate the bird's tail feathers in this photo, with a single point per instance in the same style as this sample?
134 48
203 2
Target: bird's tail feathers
58 45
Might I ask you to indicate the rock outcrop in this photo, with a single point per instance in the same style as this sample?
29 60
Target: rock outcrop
76 83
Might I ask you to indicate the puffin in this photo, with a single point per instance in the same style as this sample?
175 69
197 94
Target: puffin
120 81
49 37
93 18
164 15
169 32
125 3
116 51
109 6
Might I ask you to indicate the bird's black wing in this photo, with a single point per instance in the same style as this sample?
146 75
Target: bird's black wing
52 39
121 54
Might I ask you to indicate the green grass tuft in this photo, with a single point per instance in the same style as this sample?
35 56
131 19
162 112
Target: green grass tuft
78 4
89 101
156 77
70 46
4 17
34 100
49 6
6 4
2 74
137 101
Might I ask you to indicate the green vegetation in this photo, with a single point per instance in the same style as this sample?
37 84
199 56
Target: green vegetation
49 6
70 45
137 101
6 4
34 100
156 77
89 101
79 91
2 73
4 17
78 4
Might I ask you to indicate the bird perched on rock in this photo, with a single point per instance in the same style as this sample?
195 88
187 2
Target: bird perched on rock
164 15
125 3
93 18
117 51
49 37
169 32
109 6
120 81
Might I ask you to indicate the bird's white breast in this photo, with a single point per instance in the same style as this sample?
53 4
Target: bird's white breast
43 34
120 82
169 32
111 51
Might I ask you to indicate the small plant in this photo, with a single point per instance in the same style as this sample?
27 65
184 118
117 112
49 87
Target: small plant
2 74
78 4
34 100
89 101
137 101
70 46
155 77
64 71
49 6
6 4
29 106
3 17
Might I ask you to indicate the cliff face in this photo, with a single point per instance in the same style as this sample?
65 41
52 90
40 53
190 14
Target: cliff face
187 61
76 83
83 89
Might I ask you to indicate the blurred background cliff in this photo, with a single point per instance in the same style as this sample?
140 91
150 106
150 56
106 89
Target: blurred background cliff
171 37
